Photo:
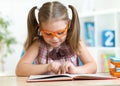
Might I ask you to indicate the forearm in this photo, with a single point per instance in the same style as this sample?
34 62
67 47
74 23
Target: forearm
29 69
87 68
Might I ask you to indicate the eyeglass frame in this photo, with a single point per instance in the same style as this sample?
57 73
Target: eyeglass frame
54 34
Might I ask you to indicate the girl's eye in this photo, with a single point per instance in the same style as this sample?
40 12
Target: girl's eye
60 33
49 34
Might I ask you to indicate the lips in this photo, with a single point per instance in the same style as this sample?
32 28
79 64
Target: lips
55 42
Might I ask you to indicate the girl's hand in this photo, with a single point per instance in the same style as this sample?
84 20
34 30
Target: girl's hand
67 67
54 67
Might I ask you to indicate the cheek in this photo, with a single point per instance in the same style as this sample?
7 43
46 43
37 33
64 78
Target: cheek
46 39
63 38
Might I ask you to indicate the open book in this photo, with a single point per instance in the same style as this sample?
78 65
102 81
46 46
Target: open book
68 77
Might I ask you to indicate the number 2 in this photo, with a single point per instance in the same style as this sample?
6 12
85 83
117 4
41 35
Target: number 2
110 37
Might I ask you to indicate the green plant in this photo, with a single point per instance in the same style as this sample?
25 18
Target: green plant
5 37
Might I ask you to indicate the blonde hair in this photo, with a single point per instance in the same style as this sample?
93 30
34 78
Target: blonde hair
53 10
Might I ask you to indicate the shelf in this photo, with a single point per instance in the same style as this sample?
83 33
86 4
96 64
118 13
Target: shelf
106 34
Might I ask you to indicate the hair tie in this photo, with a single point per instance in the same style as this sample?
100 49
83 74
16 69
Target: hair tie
36 14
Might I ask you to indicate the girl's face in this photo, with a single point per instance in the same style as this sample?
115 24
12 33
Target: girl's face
54 32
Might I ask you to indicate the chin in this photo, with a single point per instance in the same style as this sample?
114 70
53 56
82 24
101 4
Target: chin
55 45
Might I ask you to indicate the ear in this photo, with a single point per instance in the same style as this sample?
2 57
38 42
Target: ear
40 34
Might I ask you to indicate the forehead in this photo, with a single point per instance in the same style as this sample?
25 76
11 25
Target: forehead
54 25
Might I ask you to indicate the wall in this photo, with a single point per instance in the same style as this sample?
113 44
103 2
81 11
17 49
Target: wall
107 4
16 11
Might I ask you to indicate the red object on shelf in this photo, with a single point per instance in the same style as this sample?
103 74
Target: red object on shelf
114 73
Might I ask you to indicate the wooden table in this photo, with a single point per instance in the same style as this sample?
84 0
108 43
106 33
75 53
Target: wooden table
21 81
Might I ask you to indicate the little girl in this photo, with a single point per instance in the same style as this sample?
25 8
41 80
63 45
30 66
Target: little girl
53 43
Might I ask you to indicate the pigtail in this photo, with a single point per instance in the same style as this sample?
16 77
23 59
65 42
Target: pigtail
74 30
32 26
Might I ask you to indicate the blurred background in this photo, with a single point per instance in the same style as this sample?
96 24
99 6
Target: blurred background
15 12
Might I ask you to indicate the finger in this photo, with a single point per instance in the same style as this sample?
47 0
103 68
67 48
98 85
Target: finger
59 72
63 69
56 70
56 67
66 68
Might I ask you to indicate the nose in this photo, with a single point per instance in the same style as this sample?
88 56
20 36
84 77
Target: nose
54 38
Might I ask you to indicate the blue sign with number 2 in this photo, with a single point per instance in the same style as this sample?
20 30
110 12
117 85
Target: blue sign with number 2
108 38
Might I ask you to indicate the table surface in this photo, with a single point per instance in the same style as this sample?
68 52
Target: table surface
21 81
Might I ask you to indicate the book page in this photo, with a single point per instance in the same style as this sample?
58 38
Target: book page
57 77
64 77
92 76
